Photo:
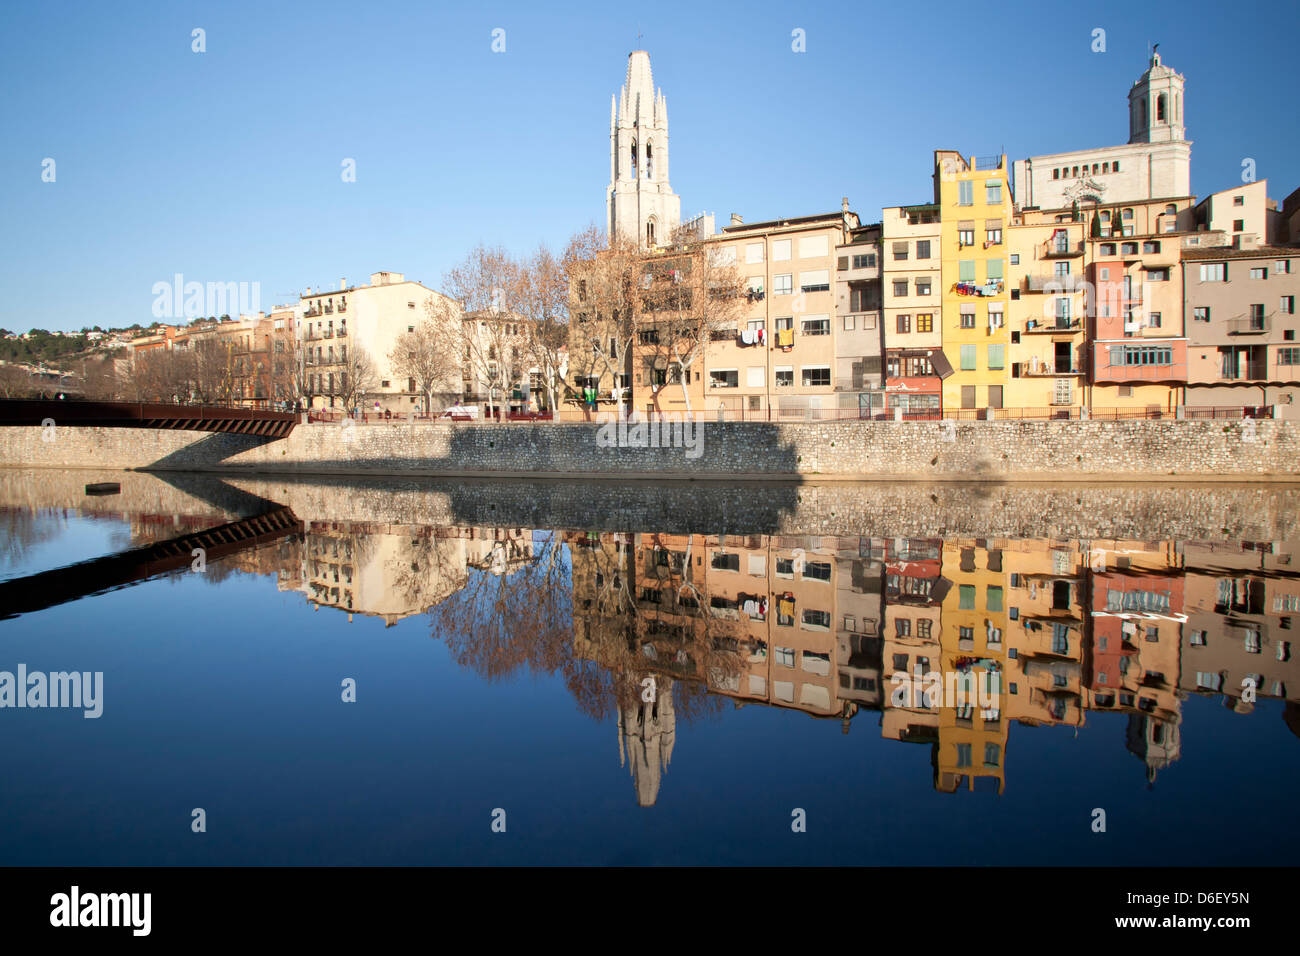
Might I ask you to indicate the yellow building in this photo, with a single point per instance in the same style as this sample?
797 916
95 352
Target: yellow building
1048 356
975 201
972 740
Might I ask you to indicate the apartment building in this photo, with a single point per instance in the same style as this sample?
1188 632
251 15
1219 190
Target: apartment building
1048 354
1244 215
1239 309
911 310
859 335
975 202
1138 361
369 318
779 361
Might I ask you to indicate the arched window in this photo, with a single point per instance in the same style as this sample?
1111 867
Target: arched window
1178 108
649 161
650 232
1160 109
634 159
1142 112
1105 167
1171 210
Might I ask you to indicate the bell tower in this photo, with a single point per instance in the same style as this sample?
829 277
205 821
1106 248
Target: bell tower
639 203
1155 105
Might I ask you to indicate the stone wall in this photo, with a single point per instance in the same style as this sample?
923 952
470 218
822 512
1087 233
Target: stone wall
991 451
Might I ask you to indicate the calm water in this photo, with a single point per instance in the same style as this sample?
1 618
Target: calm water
503 665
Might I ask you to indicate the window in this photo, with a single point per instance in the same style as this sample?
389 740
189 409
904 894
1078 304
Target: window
1015 259
1288 356
900 251
865 261
903 324
923 286
754 252
811 246
1114 167
849 323
1128 248
1150 246
784 376
992 753
993 193
966 270
966 193
968 358
997 358
817 325
923 248
1259 273
724 378
815 375
780 250
1238 225
817 571
993 235
783 284
1239 200
1282 266
968 395
900 288
818 619
968 319
1107 249
994 597
1153 320
1201 313
966 237
1286 305
1141 355
784 656
1214 272
994 268
925 322
818 281
966 597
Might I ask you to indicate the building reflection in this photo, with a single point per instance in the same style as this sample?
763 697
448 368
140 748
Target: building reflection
651 629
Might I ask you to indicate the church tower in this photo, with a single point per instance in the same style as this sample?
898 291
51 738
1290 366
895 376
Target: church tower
1155 105
639 203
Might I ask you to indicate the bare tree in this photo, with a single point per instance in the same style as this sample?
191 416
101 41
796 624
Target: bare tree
690 295
486 286
428 356
606 305
544 301
358 377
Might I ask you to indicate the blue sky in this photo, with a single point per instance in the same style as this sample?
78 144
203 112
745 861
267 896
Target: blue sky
225 166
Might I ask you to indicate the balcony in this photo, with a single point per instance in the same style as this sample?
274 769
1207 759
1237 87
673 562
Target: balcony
1043 369
328 334
1251 325
1057 326
343 307
1053 283
1060 250
342 331
311 313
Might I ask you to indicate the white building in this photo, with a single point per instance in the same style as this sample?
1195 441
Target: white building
1154 164
639 202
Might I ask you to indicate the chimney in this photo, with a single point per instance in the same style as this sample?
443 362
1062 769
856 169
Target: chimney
343 284
308 292
737 219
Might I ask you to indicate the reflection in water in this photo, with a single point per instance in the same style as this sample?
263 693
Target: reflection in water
647 629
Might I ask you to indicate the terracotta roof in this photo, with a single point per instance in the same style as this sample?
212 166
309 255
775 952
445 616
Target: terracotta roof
1229 252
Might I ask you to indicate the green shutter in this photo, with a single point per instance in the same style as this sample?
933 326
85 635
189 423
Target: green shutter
966 270
997 356
995 268
968 358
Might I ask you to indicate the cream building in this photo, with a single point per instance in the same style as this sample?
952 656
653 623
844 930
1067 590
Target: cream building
371 317
1154 164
